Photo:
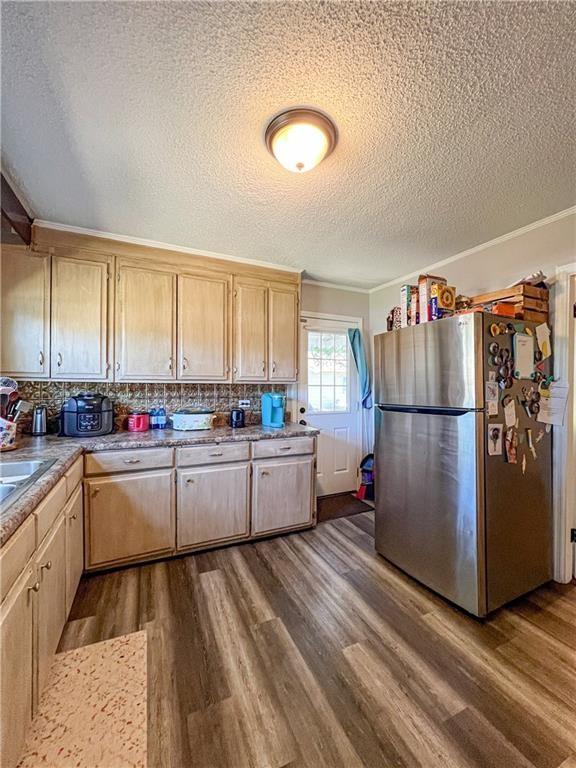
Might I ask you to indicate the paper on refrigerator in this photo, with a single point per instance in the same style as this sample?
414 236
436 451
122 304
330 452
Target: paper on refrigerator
553 408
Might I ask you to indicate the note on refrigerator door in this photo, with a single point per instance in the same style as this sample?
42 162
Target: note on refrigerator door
491 396
543 338
495 439
523 355
510 413
553 408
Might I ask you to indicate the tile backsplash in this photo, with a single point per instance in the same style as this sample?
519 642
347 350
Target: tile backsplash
131 397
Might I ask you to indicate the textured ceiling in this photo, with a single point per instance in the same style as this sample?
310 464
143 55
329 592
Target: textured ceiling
456 124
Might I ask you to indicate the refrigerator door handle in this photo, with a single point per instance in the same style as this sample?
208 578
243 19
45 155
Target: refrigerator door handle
426 409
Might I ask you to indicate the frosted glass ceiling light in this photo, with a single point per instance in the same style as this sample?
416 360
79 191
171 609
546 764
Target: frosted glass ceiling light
300 139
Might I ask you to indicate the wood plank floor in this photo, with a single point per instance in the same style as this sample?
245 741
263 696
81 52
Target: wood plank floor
311 650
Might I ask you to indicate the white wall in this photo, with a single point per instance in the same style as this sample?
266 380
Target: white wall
492 266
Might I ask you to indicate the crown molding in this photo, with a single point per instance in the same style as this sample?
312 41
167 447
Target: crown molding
335 286
164 246
477 248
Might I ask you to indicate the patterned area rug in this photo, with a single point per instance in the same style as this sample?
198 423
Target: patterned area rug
93 711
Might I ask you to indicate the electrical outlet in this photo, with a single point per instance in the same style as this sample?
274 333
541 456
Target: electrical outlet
244 403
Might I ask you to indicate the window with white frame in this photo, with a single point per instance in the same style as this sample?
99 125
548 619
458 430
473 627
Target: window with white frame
327 371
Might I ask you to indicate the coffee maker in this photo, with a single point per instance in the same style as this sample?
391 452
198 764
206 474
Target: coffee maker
273 410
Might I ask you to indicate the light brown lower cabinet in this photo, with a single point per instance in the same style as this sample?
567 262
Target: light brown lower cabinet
213 504
51 573
17 659
129 516
282 493
74 515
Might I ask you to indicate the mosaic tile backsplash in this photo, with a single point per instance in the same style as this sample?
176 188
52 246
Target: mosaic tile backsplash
135 397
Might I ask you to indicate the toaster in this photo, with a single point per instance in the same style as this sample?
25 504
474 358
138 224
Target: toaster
87 414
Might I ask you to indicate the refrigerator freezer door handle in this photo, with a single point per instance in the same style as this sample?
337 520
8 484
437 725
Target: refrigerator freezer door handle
428 409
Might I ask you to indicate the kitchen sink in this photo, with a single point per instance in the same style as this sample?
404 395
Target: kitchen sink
17 476
15 471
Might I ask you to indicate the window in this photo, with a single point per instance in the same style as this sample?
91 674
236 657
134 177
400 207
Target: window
327 371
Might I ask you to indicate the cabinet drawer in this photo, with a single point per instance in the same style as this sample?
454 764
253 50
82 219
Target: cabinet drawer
15 554
73 476
212 454
126 461
48 510
293 446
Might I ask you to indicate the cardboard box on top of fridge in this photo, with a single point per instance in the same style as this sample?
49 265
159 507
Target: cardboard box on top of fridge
425 283
414 314
443 300
405 300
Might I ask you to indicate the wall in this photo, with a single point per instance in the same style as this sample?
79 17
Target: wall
127 398
334 301
493 266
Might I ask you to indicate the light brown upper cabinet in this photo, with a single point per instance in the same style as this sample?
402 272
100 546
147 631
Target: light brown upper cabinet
145 324
282 332
250 329
80 317
204 327
25 313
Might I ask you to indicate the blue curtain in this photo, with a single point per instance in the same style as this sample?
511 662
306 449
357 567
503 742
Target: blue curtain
355 339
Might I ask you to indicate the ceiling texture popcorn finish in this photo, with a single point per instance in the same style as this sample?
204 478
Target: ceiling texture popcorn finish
455 121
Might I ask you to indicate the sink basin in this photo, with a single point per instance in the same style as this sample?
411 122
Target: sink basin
6 490
17 476
16 471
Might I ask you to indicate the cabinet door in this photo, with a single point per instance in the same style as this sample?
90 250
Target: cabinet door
283 333
282 493
250 330
74 545
51 565
203 323
16 655
146 325
212 504
25 313
79 318
129 516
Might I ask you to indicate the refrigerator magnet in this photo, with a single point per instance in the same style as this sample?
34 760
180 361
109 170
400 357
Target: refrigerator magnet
495 439
491 395
523 356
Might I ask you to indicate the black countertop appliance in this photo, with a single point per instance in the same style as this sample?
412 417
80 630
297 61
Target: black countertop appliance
87 414
237 418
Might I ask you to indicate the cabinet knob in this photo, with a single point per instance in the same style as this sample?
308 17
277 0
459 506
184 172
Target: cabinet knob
47 565
234 370
95 491
35 587
117 366
59 359
263 366
73 517
189 481
41 358
264 473
170 364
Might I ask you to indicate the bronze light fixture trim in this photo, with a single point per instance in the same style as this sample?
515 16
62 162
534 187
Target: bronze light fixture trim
301 138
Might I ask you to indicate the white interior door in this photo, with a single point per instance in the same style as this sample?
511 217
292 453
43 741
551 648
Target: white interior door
328 400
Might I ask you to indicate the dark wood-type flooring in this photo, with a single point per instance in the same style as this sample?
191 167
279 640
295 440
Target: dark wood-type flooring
310 650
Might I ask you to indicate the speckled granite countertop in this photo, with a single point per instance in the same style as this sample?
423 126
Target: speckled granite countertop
66 450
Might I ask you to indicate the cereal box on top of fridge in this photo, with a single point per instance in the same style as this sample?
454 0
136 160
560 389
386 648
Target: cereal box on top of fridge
405 294
414 316
425 283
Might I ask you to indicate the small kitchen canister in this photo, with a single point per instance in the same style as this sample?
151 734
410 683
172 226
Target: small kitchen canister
7 434
138 422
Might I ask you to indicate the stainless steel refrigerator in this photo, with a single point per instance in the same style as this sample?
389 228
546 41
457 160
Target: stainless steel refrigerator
472 526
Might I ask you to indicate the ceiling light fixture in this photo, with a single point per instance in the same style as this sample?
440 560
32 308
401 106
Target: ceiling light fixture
301 138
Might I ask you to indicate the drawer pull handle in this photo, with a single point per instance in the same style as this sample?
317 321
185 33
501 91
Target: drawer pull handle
285 447
217 453
184 363
35 587
131 461
47 565
41 358
190 481
59 359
